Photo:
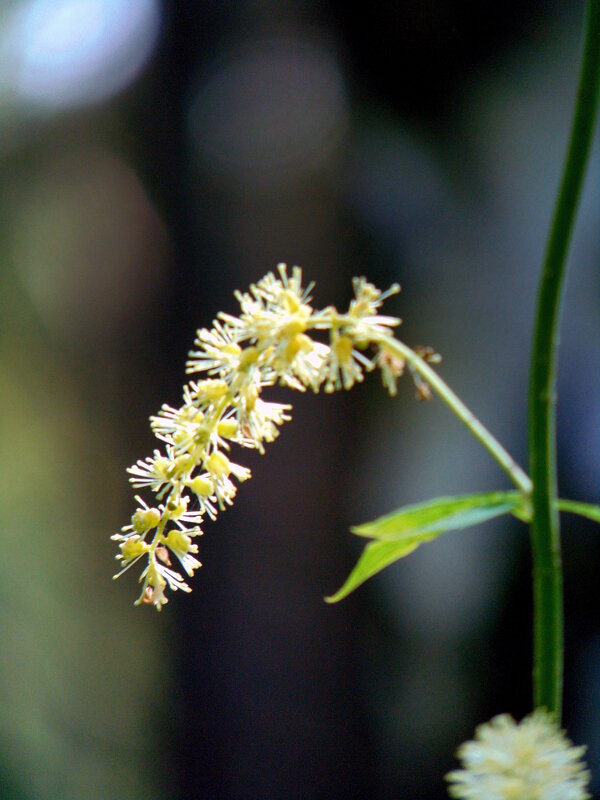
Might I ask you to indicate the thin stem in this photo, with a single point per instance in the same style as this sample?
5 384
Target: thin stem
481 433
545 532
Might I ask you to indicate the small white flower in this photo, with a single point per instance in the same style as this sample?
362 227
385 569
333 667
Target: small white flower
532 760
283 291
180 427
225 492
203 488
274 315
308 367
143 520
362 323
155 578
219 352
152 472
181 545
186 430
275 299
391 368
345 364
259 425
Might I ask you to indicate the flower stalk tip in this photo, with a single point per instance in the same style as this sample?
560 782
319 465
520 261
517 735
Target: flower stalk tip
531 760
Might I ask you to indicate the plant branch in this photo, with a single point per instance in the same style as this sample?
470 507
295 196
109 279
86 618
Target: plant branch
481 433
545 533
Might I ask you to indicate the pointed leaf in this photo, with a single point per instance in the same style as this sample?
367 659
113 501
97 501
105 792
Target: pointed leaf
587 510
375 557
441 514
401 532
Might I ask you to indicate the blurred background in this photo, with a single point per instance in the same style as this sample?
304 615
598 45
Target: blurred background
155 156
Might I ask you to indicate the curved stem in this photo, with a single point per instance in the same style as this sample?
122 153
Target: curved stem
481 433
545 533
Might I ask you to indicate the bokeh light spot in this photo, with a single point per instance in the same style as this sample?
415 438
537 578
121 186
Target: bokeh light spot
60 53
269 111
87 244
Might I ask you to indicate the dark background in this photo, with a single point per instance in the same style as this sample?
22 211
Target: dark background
154 158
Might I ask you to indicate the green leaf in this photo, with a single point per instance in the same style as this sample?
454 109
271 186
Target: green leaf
441 514
399 533
587 510
375 557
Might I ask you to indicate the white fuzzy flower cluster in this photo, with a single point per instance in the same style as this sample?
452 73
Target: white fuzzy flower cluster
532 760
269 343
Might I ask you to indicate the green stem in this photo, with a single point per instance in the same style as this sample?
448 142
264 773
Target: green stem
481 433
545 533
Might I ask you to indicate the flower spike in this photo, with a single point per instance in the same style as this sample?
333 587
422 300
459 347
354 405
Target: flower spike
277 338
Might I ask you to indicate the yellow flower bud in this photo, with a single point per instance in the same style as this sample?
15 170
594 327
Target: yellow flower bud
213 389
133 547
294 326
306 343
292 348
343 349
176 508
177 540
180 436
248 357
218 465
290 301
203 487
161 465
202 435
227 427
250 395
180 465
145 519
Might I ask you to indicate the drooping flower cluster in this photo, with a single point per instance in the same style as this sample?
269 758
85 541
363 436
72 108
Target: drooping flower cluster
270 342
532 760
